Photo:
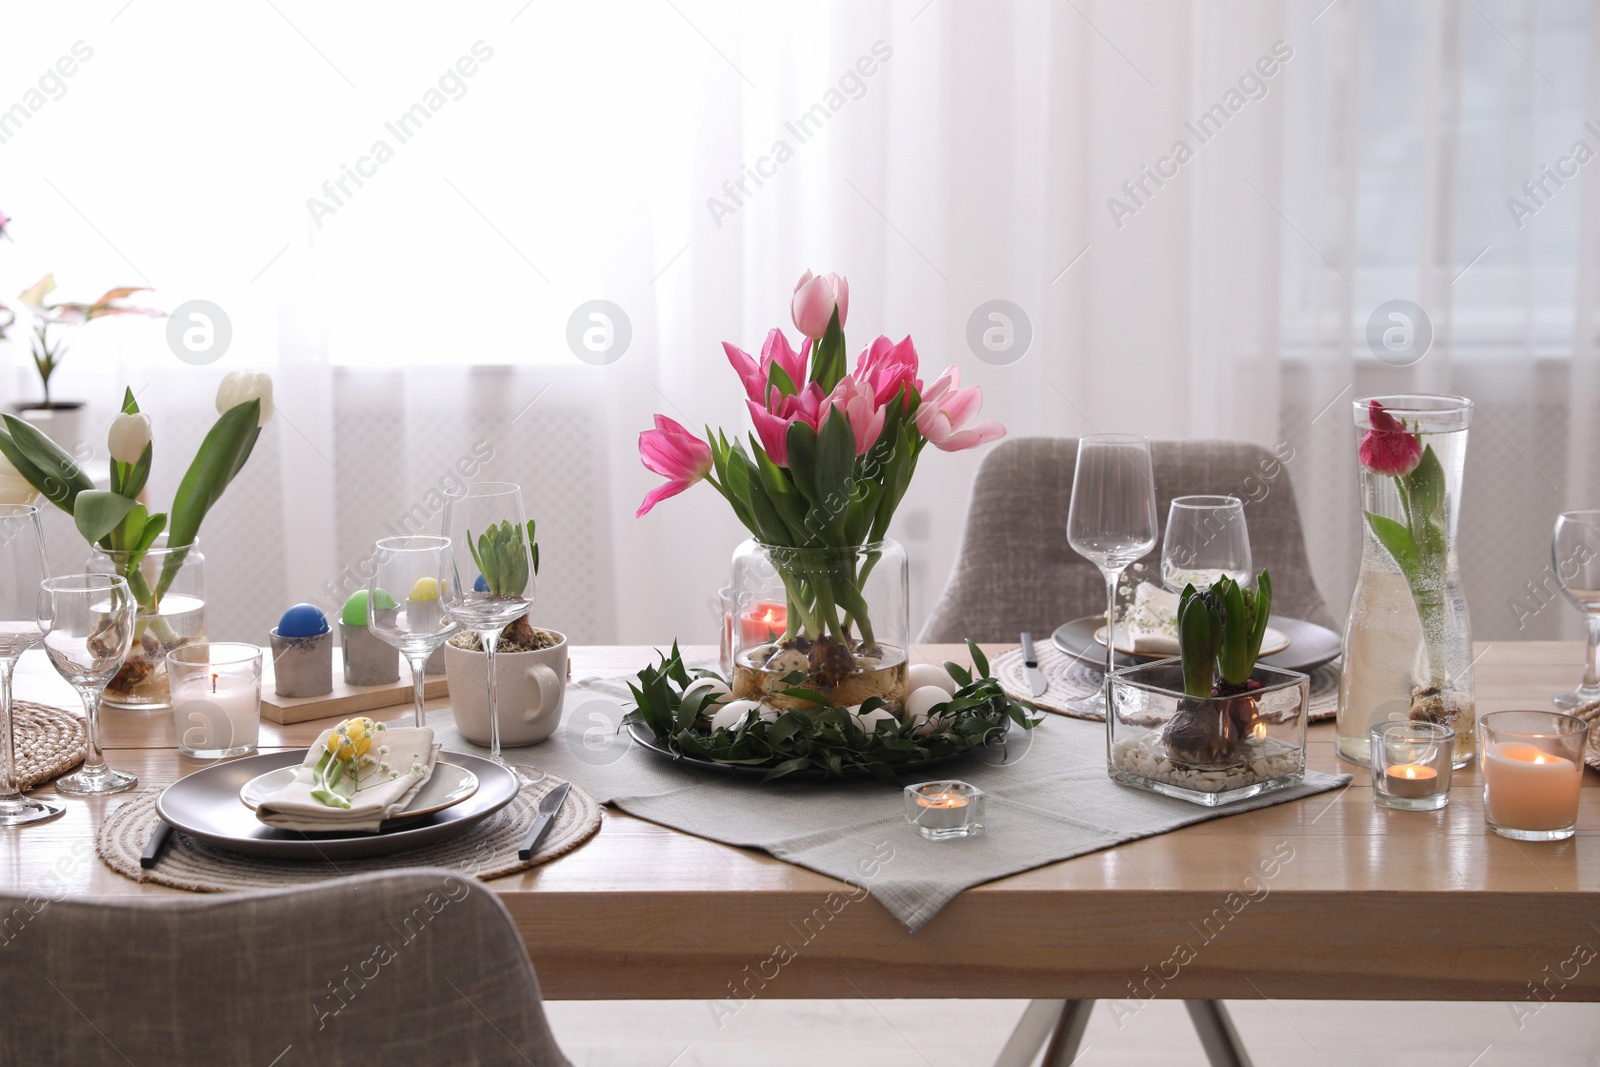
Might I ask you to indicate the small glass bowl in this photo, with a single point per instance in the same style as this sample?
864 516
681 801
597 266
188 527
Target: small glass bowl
941 810
1411 765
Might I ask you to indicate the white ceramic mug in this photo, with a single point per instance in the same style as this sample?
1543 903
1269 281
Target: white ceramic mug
530 689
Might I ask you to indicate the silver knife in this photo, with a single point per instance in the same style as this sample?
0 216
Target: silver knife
549 804
1037 682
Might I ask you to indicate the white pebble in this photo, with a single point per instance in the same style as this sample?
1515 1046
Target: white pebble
922 675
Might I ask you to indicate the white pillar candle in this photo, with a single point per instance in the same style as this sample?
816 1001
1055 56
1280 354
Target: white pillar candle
1527 788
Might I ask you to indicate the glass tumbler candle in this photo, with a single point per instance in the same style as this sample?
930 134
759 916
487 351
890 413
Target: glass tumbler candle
216 698
1532 765
1411 765
941 810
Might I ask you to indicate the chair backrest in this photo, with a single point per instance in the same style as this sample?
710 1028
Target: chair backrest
416 966
1015 571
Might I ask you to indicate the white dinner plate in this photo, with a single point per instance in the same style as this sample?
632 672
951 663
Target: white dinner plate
448 786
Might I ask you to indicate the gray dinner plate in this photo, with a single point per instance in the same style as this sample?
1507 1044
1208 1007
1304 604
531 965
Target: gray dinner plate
1310 645
205 805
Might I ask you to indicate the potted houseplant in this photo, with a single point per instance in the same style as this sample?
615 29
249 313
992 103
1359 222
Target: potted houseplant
1211 725
157 553
820 593
530 661
59 419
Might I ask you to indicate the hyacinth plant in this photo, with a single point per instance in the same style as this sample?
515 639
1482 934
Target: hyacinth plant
831 456
1220 631
1419 544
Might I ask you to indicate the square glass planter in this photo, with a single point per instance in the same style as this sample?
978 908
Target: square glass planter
1209 750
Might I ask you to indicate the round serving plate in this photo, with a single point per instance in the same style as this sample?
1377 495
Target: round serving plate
642 734
1310 645
448 786
205 805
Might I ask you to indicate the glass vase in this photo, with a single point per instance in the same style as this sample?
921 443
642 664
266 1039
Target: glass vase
169 584
835 617
1408 640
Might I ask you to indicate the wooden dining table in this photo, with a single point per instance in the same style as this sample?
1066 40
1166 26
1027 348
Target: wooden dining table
1330 897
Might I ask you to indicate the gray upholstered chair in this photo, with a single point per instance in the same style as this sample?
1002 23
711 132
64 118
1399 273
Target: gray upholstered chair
416 966
1015 570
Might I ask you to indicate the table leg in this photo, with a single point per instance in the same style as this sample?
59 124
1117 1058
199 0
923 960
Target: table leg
1217 1035
1059 1022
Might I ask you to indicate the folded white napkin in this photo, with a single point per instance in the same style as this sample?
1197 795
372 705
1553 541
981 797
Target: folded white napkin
1150 624
400 763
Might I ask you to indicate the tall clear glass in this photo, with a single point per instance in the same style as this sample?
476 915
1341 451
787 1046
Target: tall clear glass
88 621
1206 539
1408 638
169 586
22 568
489 583
1112 518
1575 558
405 605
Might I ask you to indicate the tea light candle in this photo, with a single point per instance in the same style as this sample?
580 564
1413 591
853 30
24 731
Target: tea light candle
762 621
941 810
239 700
1411 780
1527 788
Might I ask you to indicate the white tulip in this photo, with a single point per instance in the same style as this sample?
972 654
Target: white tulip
241 387
129 434
14 488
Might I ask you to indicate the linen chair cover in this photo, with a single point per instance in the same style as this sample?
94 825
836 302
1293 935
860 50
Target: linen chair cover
1015 571
421 966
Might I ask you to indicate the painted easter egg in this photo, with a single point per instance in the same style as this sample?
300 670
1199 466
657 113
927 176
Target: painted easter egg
303 620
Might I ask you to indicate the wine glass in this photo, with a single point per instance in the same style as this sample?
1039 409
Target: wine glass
1206 540
488 582
1575 557
88 624
417 624
22 568
1112 518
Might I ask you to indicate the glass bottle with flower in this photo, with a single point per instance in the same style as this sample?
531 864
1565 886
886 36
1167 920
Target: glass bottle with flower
820 594
1408 638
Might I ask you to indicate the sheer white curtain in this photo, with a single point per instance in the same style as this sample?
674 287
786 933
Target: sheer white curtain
939 154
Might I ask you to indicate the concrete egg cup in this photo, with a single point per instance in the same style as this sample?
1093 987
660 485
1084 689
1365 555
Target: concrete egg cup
302 666
368 658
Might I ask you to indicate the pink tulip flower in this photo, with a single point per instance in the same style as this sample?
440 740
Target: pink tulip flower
887 366
677 455
757 377
815 297
854 400
1387 448
772 427
946 409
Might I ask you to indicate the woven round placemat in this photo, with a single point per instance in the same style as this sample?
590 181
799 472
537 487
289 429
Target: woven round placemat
50 741
1075 684
488 850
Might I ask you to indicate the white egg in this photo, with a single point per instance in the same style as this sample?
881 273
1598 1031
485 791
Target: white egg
919 706
731 713
869 721
922 675
716 686
769 713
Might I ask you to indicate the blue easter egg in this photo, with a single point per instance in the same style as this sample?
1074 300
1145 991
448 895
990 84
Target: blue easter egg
481 585
303 620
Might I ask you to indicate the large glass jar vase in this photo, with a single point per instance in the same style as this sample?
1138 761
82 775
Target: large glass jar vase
169 584
830 620
1408 639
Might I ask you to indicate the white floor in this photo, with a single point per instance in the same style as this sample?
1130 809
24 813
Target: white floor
903 1033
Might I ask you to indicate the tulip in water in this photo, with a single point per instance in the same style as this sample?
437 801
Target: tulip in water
129 436
1387 448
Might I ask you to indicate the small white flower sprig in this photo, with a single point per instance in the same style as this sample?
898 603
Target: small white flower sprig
347 763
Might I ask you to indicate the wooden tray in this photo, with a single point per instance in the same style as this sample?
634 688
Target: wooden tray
345 700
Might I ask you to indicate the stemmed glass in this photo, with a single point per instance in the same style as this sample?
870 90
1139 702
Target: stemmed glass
1206 539
417 624
1575 557
1112 518
22 568
485 602
88 624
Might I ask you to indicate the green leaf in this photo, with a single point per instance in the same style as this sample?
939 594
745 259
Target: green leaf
777 376
43 462
136 475
1425 487
1397 539
221 456
979 660
130 406
147 537
98 512
828 357
802 444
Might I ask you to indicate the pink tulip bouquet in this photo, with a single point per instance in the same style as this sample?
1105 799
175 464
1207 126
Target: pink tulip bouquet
832 452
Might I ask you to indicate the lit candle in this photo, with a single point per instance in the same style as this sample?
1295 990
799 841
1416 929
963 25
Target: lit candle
1411 780
239 699
941 811
762 622
1527 788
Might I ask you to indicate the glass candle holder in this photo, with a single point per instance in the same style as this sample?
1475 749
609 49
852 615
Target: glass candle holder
1411 765
1532 766
941 810
216 698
